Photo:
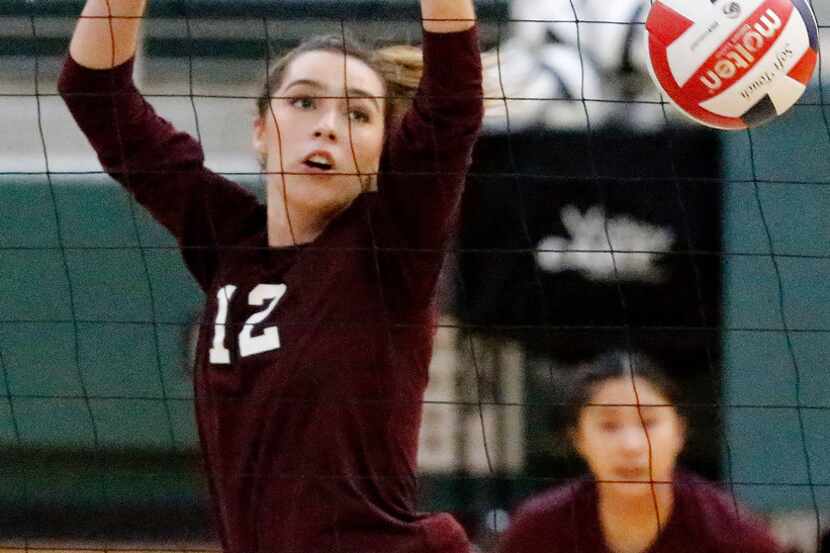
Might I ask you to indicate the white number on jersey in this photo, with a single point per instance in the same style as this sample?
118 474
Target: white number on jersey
270 337
249 344
219 354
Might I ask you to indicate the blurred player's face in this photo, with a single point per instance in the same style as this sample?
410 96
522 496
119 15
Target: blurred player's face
613 436
323 136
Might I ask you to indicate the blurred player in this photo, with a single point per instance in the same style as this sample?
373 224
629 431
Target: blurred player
317 334
636 500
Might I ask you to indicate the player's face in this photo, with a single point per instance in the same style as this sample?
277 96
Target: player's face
613 436
324 132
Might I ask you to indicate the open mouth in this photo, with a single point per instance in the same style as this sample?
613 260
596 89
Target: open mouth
632 474
321 161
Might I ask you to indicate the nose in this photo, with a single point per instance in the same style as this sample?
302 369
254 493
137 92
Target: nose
326 126
634 440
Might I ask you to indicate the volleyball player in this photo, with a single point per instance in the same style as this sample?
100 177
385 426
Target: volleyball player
317 331
636 500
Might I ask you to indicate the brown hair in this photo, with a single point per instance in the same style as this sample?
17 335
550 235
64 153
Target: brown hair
400 67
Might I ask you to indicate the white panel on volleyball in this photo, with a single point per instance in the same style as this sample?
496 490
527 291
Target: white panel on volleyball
703 38
736 100
695 11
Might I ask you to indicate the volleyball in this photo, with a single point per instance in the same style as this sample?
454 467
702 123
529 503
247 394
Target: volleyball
732 64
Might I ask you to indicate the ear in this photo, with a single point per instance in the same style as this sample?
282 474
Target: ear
682 433
575 439
258 141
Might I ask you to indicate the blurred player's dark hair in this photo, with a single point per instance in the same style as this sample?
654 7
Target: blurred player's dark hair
610 366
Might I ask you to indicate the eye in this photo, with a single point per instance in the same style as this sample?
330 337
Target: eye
609 426
650 422
359 116
303 103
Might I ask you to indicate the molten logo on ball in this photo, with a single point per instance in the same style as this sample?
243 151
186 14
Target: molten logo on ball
732 64
741 55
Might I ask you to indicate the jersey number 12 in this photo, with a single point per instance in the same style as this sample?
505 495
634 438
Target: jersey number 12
248 343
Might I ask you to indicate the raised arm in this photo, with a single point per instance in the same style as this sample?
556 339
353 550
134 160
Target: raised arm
447 16
107 33
160 166
428 154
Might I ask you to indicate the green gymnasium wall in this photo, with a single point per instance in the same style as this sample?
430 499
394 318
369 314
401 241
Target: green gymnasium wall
778 422
77 345
76 310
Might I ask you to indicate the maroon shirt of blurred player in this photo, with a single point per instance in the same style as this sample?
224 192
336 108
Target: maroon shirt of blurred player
313 356
624 422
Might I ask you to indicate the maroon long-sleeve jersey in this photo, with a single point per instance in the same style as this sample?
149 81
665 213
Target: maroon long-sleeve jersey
312 360
704 520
